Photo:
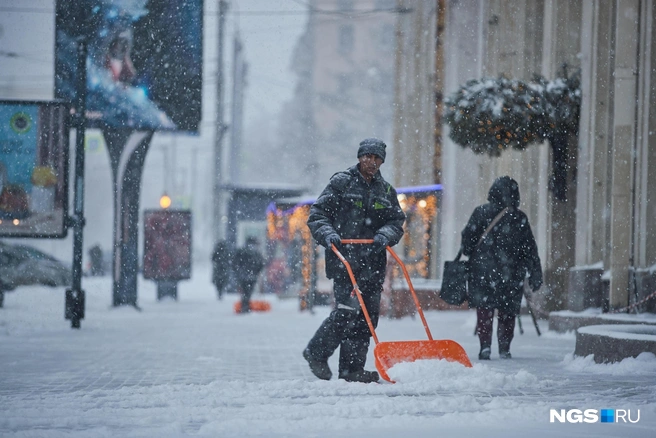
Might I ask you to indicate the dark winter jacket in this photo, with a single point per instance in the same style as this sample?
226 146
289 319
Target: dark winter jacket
354 209
498 266
220 263
247 264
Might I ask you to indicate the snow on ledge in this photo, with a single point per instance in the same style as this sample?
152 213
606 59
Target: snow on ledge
643 364
598 265
636 332
648 318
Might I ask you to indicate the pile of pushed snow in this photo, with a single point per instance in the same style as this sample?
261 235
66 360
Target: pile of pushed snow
443 375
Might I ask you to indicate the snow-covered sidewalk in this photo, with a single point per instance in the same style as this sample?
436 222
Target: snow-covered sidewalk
194 368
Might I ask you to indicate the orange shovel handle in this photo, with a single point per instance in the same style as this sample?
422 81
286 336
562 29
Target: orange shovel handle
357 289
355 286
412 291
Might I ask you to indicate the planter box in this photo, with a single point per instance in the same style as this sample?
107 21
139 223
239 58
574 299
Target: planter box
645 285
613 343
584 289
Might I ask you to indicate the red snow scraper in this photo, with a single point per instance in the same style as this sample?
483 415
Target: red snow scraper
388 354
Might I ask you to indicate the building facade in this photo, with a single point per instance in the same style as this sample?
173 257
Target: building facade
606 223
345 67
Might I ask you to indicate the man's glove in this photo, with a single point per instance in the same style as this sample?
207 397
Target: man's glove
380 243
331 239
535 284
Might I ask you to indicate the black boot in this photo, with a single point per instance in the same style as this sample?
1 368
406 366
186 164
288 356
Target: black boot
362 376
323 344
352 357
484 354
504 349
319 368
505 332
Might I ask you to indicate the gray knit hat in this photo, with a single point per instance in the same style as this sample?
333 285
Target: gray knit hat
372 146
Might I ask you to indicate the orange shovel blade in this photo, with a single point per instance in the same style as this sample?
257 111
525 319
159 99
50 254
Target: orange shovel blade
388 354
256 306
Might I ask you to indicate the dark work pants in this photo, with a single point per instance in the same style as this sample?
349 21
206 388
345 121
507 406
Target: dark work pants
246 290
505 328
220 285
346 326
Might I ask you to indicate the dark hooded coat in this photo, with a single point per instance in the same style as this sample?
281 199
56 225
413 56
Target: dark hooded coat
221 263
498 266
248 263
354 209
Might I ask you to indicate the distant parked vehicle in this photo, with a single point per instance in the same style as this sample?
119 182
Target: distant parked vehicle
22 265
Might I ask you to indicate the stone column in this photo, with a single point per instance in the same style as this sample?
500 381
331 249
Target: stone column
465 46
624 117
561 46
645 228
593 133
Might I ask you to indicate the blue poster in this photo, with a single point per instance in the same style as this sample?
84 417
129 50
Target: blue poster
33 168
18 140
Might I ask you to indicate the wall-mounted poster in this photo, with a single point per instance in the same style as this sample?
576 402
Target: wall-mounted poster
33 168
144 63
167 245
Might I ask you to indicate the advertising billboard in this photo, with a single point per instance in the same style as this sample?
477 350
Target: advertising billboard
33 168
144 63
167 245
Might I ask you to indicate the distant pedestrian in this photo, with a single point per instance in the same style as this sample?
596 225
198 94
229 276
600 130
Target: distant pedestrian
499 263
276 276
96 261
221 259
248 264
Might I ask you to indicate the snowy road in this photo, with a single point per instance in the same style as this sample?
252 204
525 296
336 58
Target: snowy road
194 368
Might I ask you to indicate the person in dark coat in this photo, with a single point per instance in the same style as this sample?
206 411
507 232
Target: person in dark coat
357 204
248 264
499 264
96 262
221 266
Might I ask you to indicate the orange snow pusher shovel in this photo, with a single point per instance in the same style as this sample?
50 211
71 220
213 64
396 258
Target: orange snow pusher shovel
255 306
388 354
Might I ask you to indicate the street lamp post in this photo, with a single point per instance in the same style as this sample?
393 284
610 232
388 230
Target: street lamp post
75 298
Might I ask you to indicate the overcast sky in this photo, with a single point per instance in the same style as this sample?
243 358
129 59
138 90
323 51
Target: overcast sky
269 30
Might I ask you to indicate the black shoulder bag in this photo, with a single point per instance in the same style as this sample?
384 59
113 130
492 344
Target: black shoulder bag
456 272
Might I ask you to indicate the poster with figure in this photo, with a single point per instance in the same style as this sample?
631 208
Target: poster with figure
144 62
34 140
167 245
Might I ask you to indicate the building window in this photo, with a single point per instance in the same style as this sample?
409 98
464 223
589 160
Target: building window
346 38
